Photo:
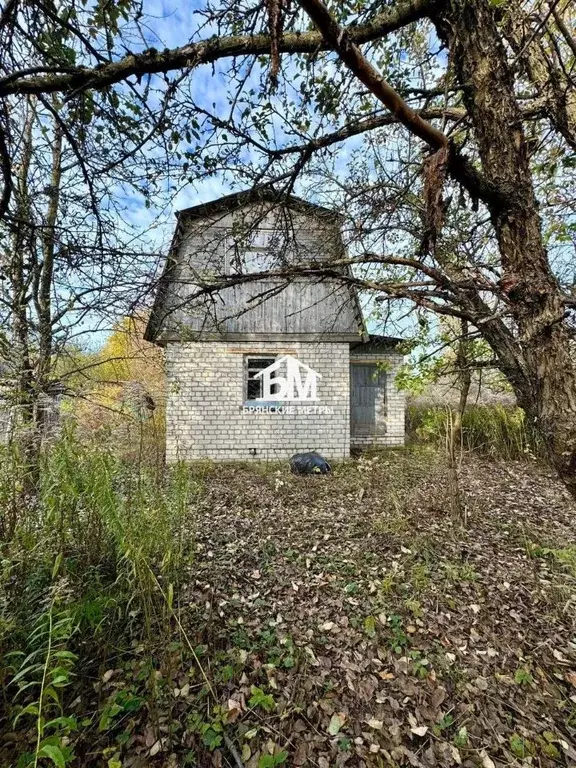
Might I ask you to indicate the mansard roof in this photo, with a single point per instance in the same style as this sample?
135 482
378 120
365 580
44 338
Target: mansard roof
257 195
224 205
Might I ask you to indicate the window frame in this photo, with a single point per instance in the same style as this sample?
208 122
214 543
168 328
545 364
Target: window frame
270 359
261 242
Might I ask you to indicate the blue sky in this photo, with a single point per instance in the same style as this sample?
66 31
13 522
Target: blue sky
172 24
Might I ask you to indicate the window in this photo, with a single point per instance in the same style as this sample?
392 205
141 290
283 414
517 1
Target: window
258 251
253 366
254 260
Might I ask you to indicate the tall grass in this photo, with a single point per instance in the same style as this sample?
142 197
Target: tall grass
494 430
90 570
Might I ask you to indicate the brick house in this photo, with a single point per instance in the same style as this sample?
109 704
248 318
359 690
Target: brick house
268 366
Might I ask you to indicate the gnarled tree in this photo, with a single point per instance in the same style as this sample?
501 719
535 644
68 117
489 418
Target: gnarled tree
486 88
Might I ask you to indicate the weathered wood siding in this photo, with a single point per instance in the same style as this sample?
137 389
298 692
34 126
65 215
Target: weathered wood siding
300 307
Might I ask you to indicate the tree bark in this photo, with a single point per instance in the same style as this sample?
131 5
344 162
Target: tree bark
24 400
544 70
549 394
44 281
454 436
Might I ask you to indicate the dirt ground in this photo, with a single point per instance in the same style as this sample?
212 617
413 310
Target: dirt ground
348 620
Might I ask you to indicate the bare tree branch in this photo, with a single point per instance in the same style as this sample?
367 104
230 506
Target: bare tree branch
207 51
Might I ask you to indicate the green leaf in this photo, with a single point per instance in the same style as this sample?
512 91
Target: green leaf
54 753
66 655
261 699
57 564
60 681
211 738
523 677
108 715
50 693
518 746
336 722
31 709
271 761
132 703
461 738
69 723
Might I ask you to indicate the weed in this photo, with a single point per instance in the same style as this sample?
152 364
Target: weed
419 577
414 607
461 740
496 430
419 664
388 584
522 676
521 747
398 639
270 761
446 722
459 572
344 744
44 672
563 557
261 699
92 571
370 626
280 651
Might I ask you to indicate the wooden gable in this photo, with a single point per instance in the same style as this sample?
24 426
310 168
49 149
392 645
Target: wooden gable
235 238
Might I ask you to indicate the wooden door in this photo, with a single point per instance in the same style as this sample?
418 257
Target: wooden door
367 399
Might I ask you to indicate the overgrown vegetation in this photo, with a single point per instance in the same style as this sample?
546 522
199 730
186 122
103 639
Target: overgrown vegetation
238 615
495 430
91 571
358 623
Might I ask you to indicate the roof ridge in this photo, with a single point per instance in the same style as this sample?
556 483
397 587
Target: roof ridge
257 194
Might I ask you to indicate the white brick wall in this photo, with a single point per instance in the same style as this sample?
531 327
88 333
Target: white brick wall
204 416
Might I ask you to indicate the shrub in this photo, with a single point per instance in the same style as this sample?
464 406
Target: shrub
88 581
494 430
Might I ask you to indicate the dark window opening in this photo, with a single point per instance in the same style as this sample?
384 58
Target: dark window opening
253 367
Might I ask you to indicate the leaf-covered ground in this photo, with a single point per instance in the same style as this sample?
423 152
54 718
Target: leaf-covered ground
348 620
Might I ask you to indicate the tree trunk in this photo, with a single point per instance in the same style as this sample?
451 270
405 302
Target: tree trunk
25 395
44 281
454 435
549 396
31 281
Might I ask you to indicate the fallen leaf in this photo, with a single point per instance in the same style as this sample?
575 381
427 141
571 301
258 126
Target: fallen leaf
234 710
487 761
155 748
336 722
327 626
571 678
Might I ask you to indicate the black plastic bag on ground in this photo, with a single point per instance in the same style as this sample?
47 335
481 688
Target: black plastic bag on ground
309 464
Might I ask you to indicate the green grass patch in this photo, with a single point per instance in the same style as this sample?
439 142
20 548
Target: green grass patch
495 430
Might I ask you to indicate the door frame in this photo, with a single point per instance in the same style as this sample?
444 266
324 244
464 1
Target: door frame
380 404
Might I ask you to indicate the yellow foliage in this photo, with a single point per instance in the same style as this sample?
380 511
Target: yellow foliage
124 391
